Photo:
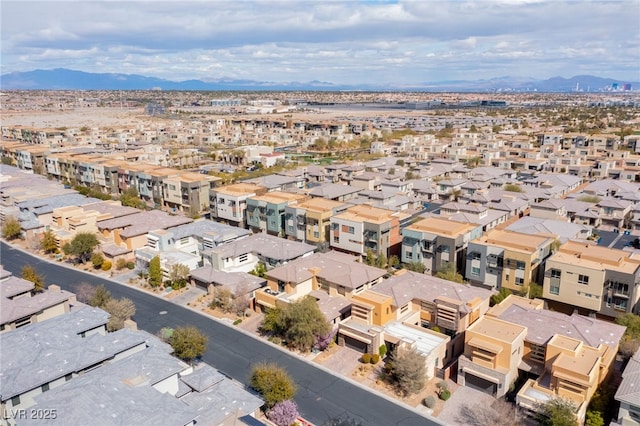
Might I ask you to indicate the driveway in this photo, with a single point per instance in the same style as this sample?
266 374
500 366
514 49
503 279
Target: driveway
344 361
460 397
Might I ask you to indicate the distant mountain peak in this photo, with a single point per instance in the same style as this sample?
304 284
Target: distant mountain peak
66 79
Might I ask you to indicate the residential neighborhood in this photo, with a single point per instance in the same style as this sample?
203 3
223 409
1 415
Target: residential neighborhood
504 257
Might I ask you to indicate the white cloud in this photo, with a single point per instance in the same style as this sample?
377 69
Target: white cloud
344 42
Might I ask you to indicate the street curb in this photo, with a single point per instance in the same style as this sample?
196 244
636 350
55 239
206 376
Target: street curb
245 332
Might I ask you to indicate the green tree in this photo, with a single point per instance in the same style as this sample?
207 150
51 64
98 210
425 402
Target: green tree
393 261
631 339
272 382
11 228
48 243
81 246
556 412
500 296
407 371
260 270
131 198
29 273
448 272
400 162
381 261
299 323
593 418
188 343
370 258
120 310
155 272
415 267
535 291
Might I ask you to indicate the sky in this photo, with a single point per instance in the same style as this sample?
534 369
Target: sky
342 42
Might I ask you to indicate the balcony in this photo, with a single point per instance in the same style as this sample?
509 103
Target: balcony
266 297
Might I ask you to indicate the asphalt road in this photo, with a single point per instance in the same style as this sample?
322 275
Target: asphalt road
321 396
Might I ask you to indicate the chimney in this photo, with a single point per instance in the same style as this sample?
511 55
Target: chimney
54 288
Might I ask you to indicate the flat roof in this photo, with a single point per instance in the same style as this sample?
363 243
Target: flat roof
497 329
596 257
367 213
238 189
440 226
516 241
426 342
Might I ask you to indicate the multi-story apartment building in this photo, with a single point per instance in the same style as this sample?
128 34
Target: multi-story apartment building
363 228
266 213
435 242
309 221
188 192
229 203
592 279
506 259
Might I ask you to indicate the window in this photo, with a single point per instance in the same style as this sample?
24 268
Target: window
348 229
444 249
583 279
554 289
556 273
15 401
45 387
408 255
243 258
316 234
519 281
475 256
520 265
475 271
404 309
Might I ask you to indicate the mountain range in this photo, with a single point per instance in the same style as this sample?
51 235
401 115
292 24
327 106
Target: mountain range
65 79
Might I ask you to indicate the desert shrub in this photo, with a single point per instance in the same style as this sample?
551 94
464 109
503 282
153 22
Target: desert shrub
130 265
238 321
106 265
375 358
121 264
366 358
429 401
444 394
97 259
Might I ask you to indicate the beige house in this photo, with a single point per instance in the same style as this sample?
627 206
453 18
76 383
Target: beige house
493 349
564 356
592 279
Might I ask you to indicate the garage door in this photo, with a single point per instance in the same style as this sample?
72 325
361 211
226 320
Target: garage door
478 383
356 344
